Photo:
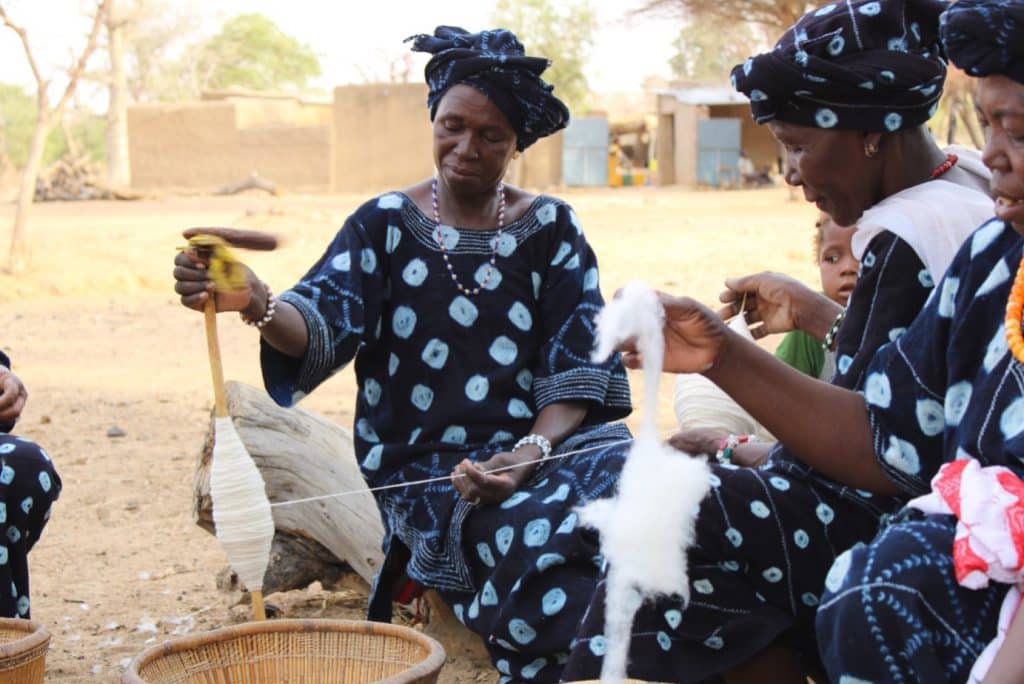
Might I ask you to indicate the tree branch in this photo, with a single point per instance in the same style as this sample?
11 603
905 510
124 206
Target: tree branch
777 15
73 76
23 35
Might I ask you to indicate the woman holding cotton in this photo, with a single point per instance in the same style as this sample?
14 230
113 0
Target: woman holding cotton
847 91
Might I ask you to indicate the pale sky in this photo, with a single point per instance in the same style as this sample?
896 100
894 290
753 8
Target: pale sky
353 48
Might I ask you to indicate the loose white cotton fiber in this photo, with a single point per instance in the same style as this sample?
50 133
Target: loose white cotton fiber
648 526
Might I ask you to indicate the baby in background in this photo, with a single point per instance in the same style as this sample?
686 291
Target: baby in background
838 269
713 424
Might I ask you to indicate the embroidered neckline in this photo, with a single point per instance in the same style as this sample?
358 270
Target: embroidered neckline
471 240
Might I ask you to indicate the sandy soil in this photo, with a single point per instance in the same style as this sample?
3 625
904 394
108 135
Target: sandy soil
95 333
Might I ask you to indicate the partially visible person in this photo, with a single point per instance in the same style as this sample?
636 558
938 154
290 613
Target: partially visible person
922 602
837 267
713 424
767 535
29 485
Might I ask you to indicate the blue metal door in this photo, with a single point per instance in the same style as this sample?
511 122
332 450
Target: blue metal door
585 152
718 152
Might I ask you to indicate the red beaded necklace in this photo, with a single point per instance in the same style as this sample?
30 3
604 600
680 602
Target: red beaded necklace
951 160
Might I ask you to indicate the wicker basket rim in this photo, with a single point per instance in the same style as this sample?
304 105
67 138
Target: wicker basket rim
433 662
36 635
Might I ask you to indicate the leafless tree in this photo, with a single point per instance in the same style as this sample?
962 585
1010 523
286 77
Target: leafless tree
118 169
775 16
48 114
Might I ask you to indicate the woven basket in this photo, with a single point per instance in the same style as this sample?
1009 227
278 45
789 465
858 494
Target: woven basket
279 651
23 647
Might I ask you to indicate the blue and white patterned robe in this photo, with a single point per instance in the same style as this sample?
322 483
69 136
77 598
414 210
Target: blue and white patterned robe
443 377
766 536
947 389
29 485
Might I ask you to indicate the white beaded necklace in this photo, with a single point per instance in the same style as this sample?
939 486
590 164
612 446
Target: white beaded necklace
491 268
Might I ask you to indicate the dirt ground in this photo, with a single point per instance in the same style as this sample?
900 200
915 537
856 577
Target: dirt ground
96 334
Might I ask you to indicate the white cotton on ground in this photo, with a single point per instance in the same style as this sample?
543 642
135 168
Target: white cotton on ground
241 511
648 526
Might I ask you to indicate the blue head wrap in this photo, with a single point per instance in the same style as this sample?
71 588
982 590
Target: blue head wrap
986 37
867 65
495 63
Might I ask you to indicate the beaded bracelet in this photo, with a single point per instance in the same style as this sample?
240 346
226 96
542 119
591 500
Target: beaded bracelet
728 445
830 336
539 441
267 315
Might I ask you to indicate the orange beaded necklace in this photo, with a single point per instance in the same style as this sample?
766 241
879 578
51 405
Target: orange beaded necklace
1012 322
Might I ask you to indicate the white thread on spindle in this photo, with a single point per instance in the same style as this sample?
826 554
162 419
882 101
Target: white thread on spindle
647 528
241 511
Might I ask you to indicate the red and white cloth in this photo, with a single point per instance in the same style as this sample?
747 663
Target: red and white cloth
989 541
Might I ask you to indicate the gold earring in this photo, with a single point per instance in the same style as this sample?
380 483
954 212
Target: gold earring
870 150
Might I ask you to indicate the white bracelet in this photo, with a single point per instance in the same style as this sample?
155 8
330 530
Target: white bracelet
267 315
539 441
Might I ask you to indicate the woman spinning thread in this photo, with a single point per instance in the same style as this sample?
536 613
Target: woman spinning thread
467 306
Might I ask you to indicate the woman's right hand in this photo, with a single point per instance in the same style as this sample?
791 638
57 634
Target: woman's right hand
698 441
193 284
778 302
694 337
13 396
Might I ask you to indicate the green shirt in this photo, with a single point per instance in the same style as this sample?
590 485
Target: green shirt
803 352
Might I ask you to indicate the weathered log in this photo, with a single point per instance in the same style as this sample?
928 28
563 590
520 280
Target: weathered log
335 541
295 563
300 455
252 182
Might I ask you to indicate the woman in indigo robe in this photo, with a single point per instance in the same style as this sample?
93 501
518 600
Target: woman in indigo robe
846 91
467 306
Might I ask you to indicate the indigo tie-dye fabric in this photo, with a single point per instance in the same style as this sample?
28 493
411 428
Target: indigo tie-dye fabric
949 388
29 485
983 37
766 537
443 377
495 63
802 521
866 65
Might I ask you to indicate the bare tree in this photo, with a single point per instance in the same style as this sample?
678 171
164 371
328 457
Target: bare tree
118 170
957 109
774 15
47 116
156 31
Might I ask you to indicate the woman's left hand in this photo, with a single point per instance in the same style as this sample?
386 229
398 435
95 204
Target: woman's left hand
481 486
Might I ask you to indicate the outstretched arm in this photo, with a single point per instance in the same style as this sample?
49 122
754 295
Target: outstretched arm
826 426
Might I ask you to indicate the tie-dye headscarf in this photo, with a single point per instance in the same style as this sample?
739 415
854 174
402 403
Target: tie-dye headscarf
867 65
986 37
495 63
